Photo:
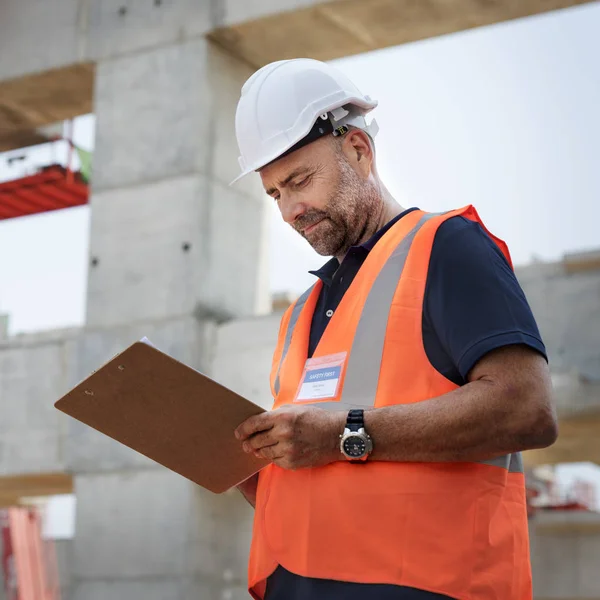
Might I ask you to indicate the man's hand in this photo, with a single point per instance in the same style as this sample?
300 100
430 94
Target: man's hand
294 437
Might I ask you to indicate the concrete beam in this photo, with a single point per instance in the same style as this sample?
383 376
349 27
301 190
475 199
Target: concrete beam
42 87
582 262
39 35
35 485
578 441
23 139
567 522
8 500
333 29
117 27
33 101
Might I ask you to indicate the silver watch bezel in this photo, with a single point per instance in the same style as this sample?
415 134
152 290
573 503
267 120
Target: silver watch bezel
361 433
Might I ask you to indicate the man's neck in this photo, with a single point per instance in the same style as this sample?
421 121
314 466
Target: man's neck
389 209
388 213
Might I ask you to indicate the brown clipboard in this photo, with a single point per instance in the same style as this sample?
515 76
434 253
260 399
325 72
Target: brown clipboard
169 412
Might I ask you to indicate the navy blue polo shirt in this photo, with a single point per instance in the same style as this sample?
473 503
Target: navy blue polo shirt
473 304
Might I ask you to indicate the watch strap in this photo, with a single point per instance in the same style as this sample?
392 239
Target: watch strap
355 419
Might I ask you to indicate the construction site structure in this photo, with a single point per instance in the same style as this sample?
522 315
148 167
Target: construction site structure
49 187
29 565
163 79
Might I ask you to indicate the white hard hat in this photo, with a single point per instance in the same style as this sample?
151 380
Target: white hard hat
289 103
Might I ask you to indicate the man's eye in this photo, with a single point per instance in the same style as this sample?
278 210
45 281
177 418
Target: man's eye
303 182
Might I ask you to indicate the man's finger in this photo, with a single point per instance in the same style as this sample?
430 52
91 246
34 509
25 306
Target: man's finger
262 422
271 452
262 440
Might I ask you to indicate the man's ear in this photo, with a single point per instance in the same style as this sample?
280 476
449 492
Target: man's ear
359 152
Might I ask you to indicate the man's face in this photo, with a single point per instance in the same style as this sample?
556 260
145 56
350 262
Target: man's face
323 196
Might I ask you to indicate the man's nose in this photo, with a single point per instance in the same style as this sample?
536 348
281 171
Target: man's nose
291 209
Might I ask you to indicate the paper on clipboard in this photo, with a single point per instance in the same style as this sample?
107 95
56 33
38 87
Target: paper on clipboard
169 412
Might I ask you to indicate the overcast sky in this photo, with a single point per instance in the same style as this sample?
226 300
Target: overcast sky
504 117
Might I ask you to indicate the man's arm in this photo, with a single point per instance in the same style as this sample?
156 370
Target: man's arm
479 331
478 313
505 407
248 489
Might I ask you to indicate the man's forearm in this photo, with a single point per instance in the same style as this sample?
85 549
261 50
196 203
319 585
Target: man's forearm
506 407
249 488
251 498
475 422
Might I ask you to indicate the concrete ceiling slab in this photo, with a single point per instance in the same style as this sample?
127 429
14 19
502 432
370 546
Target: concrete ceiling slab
15 488
330 30
33 101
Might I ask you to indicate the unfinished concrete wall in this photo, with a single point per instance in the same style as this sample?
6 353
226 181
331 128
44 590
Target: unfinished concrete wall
186 339
153 534
243 354
63 549
566 303
34 372
565 547
141 530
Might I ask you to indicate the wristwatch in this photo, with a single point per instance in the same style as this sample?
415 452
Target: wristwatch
355 443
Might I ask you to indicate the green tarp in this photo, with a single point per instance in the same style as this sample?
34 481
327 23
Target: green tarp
85 158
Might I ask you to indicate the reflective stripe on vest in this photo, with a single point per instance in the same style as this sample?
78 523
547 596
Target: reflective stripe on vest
513 463
290 330
364 363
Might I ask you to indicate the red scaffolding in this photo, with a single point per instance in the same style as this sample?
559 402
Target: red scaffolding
52 187
28 562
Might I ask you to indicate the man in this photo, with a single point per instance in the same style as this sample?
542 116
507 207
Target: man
406 381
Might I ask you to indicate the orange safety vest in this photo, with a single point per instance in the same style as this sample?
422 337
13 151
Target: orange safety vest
458 529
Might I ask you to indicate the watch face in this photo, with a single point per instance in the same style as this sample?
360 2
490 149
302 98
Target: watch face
355 446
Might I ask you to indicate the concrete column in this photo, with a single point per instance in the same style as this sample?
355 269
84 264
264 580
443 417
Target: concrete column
168 236
172 250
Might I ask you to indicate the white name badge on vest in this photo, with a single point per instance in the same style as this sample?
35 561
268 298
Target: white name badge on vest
321 378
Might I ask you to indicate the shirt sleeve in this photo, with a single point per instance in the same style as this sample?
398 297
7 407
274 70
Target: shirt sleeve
473 301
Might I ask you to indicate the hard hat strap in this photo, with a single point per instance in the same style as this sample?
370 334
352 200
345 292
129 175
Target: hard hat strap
325 126
321 128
